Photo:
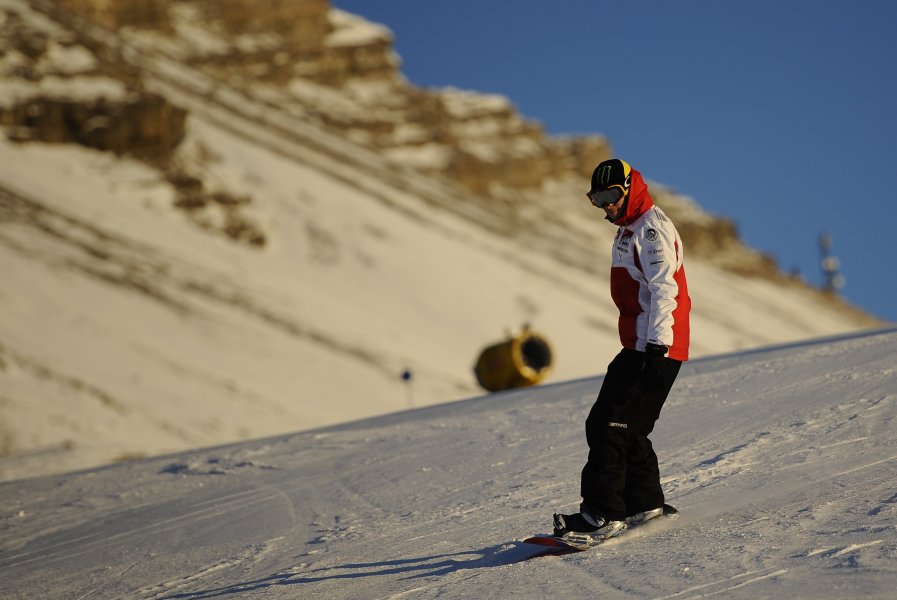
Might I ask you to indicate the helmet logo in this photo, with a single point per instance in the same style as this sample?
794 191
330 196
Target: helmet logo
604 174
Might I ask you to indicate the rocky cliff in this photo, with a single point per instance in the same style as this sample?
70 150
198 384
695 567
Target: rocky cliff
343 71
55 89
328 67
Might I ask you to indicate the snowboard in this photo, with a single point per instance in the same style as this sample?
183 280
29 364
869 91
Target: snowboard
553 545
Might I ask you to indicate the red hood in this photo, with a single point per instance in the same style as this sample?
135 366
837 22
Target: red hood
638 202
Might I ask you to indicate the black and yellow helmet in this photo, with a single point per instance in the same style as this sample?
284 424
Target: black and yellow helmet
610 182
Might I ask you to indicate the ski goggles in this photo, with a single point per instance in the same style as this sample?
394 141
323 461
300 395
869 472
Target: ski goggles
603 198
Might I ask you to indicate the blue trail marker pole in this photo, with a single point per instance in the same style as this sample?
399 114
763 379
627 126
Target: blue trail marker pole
409 396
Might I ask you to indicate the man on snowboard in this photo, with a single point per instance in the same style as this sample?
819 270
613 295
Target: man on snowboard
621 480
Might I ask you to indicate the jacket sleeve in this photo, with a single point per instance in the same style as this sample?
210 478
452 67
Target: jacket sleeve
658 252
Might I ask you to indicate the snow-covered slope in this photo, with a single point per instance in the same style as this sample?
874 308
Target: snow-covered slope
131 327
782 461
127 331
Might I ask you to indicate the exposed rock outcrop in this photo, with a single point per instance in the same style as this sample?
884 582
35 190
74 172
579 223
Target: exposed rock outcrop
57 88
143 124
62 91
119 13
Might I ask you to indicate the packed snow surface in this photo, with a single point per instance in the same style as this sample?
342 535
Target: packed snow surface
781 460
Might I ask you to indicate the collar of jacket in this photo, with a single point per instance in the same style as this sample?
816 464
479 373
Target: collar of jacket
637 203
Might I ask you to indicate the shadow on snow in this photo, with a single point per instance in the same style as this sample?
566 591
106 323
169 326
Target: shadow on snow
413 568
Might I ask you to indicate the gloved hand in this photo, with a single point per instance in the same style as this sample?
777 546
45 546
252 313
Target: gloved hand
651 377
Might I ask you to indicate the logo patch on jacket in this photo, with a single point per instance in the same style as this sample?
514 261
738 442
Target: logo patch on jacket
651 235
624 236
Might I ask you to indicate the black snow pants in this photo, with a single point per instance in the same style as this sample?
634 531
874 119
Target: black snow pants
621 476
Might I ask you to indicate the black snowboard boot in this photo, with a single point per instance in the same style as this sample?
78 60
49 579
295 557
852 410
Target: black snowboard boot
584 522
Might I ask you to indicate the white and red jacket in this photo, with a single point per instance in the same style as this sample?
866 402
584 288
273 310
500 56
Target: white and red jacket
647 277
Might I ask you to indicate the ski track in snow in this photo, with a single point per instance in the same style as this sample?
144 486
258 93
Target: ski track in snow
781 461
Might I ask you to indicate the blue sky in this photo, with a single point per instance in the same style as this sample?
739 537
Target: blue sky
779 115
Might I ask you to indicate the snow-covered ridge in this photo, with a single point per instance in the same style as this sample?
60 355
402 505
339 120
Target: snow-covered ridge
352 30
781 460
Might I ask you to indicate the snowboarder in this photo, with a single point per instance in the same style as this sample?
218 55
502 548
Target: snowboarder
621 479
